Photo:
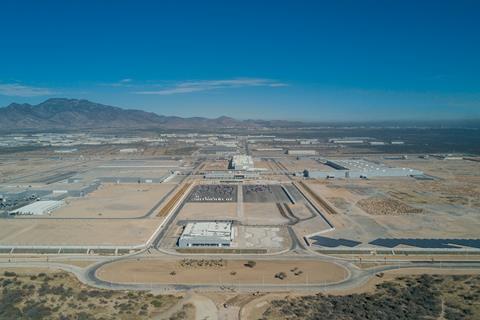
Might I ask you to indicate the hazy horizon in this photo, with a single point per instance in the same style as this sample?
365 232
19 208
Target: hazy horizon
305 120
342 61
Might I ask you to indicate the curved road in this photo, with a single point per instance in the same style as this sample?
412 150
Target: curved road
298 251
355 276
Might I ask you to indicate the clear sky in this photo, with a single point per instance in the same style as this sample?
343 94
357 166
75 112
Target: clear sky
302 60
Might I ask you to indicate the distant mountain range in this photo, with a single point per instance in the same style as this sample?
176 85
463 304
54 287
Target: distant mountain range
73 114
64 114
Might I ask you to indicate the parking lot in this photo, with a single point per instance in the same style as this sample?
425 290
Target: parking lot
264 193
213 193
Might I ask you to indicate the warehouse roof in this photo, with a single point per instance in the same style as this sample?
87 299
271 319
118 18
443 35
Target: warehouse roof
38 207
208 229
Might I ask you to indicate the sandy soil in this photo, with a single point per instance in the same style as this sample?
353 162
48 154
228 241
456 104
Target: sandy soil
210 210
311 226
300 210
215 165
262 164
450 209
114 200
76 232
457 170
263 213
159 271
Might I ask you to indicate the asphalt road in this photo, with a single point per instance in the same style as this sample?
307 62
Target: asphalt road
298 251
355 276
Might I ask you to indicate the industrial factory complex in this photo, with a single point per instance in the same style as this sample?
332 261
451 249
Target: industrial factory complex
301 204
360 169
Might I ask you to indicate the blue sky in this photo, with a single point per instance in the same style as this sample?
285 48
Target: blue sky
302 60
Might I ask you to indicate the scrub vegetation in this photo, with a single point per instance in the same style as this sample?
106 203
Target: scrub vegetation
421 297
61 296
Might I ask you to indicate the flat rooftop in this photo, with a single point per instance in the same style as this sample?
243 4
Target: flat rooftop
38 207
212 229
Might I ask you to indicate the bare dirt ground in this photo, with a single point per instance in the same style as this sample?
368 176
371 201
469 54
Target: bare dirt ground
76 232
262 164
446 169
206 211
114 201
449 208
215 165
311 226
386 206
232 273
300 210
263 214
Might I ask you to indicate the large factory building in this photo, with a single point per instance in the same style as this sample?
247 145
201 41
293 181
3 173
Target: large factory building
37 208
241 162
207 234
360 169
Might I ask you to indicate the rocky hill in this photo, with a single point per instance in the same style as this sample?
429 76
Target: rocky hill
64 114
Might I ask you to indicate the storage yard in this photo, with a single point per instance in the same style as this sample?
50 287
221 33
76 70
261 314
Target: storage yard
264 193
213 193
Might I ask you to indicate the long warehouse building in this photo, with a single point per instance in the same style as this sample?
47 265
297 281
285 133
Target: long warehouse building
38 208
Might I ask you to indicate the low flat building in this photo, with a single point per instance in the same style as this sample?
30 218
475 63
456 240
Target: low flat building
231 175
346 141
128 150
301 152
38 208
207 234
242 162
358 168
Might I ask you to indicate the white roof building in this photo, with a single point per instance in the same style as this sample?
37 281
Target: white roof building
357 168
242 162
301 152
207 234
38 208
